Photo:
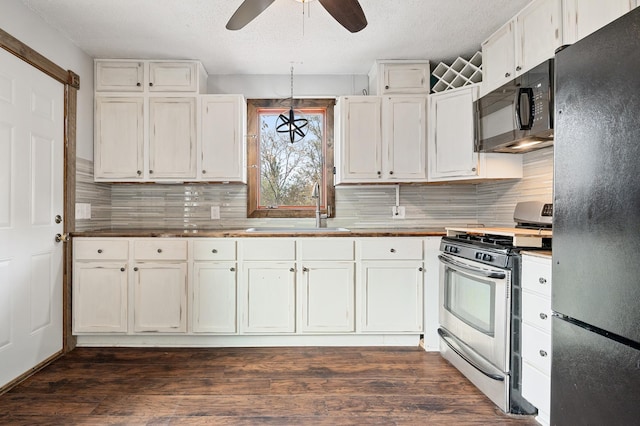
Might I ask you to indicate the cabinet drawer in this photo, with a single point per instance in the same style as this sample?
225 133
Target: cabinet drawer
536 348
156 249
536 387
392 249
326 249
536 275
214 250
536 310
268 249
98 249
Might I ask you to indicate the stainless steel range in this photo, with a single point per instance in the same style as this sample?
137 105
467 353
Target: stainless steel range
480 304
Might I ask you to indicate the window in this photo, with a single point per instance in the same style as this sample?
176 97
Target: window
281 175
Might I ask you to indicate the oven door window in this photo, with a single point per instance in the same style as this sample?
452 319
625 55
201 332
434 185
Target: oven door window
471 299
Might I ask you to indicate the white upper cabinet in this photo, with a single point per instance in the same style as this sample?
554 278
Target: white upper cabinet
582 17
172 138
452 134
399 77
538 33
527 40
173 76
382 139
223 124
119 138
119 76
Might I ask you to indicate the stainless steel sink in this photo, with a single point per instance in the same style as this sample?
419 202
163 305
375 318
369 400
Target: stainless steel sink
272 229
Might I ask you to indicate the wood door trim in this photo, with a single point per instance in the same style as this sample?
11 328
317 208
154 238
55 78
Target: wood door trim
71 82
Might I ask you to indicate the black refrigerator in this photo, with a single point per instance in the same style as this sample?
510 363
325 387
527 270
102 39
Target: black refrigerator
595 365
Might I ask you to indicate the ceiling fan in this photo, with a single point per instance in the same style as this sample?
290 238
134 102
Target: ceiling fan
348 13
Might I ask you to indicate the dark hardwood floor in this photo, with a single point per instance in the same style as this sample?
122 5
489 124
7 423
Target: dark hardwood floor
279 386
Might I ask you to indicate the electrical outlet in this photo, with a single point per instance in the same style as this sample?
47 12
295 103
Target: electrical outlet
397 212
215 212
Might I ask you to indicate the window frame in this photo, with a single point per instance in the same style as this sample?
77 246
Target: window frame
253 155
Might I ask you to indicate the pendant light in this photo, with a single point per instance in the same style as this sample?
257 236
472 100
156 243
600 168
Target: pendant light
295 127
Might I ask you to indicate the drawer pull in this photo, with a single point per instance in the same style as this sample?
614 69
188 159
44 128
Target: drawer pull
99 250
135 269
159 250
543 353
392 250
121 269
421 269
214 251
232 269
542 280
292 270
543 316
305 269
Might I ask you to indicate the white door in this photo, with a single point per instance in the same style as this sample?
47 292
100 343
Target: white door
405 124
31 195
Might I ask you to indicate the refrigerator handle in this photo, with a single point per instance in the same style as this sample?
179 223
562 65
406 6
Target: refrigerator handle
528 92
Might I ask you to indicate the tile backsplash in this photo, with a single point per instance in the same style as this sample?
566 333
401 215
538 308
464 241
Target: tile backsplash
183 206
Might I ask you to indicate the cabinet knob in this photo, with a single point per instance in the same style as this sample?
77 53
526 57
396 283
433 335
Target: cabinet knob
543 353
204 172
391 172
507 74
135 269
292 270
542 280
392 250
232 269
150 84
543 316
305 269
386 87
139 172
138 84
379 173
214 251
421 269
99 250
518 68
159 250
122 269
473 169
150 172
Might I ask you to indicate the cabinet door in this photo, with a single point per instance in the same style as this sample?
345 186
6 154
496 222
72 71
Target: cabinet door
538 33
582 17
100 297
172 138
173 77
327 297
268 297
406 78
160 296
405 137
452 134
498 58
214 297
119 138
119 76
392 297
361 141
223 149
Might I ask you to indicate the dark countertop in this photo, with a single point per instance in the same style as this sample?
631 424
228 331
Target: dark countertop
242 233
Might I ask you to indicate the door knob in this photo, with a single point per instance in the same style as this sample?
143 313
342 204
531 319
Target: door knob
62 238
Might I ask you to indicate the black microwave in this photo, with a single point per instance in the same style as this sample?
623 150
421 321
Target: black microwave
518 116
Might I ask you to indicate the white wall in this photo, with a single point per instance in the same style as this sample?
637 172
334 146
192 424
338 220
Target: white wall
279 86
19 21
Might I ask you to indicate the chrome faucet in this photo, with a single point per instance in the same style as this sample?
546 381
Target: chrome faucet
315 193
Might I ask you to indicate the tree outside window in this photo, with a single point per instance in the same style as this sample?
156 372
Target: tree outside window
282 174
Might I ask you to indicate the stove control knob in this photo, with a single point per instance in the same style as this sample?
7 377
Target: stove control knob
487 257
453 250
479 256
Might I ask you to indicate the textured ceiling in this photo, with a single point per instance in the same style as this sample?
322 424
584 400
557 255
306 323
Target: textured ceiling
438 30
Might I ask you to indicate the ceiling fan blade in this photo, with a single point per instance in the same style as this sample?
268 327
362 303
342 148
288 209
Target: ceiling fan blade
348 13
247 12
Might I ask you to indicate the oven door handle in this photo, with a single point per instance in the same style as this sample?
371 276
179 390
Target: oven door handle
455 346
472 270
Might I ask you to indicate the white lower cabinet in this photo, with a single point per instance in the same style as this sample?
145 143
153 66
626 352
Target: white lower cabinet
214 297
268 297
536 333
